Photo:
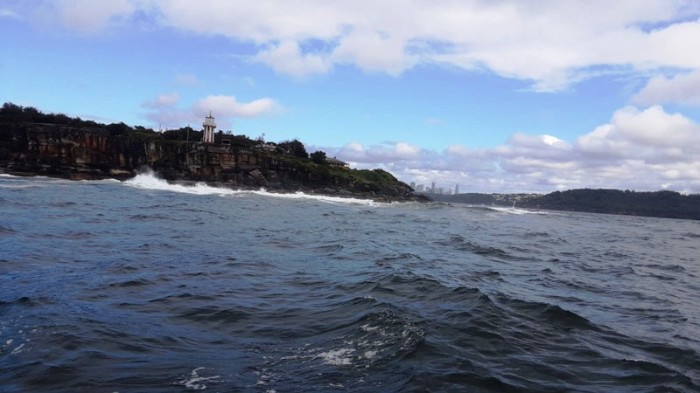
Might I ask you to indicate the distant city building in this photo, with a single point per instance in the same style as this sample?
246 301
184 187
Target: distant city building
432 188
413 185
209 127
456 189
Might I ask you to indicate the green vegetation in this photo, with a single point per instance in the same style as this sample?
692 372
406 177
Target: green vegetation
318 157
294 147
669 204
11 113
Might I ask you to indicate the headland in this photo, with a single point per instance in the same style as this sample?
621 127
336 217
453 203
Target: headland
36 143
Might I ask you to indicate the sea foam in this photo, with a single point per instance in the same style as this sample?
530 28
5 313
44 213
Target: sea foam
150 181
196 382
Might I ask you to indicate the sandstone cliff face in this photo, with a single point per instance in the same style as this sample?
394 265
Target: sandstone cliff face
92 153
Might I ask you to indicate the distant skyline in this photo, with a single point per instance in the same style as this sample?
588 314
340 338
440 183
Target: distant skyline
493 96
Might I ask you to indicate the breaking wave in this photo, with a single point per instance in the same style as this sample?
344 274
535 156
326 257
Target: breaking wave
150 181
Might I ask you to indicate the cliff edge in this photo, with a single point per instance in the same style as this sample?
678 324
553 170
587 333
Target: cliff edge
34 143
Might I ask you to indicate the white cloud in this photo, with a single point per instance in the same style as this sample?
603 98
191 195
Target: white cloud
228 106
406 150
648 149
380 154
374 51
163 100
682 88
164 110
286 58
551 44
638 133
87 16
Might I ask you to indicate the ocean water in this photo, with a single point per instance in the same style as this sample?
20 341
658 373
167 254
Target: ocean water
142 286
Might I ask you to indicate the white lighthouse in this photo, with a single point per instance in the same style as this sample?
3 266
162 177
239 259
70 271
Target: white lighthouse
209 127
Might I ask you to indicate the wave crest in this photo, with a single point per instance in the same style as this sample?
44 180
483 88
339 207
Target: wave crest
150 181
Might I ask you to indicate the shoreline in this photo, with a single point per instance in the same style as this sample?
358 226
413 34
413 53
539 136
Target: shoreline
123 176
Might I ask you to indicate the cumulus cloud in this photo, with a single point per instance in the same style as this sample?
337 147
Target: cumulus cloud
652 133
648 149
286 58
228 106
86 16
551 44
381 153
682 88
163 100
164 110
374 51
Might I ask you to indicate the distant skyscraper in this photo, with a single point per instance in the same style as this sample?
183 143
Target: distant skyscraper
432 188
456 189
413 185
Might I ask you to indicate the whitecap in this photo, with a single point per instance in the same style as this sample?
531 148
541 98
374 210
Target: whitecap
150 181
515 210
337 357
18 349
196 382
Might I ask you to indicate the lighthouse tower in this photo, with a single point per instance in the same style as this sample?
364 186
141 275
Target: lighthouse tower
209 127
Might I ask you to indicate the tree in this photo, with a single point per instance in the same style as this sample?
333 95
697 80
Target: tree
318 157
118 129
295 148
11 111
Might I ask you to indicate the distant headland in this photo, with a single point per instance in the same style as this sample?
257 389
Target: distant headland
37 143
664 204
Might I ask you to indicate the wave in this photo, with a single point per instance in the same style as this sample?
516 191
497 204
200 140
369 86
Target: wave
347 357
194 381
503 209
150 181
24 182
462 244
515 210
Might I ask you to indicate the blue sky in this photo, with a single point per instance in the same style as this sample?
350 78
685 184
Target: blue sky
496 96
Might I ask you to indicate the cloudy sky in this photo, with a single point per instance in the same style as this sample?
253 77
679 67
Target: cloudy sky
496 96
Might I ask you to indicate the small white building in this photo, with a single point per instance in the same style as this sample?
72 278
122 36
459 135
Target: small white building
209 127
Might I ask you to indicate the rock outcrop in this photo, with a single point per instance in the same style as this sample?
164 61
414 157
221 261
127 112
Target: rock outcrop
79 152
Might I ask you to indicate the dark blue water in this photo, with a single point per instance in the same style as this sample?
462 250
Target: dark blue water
145 287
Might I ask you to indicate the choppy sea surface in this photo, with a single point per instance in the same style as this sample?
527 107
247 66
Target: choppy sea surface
142 286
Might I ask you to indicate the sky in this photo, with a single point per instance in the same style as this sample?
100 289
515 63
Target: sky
494 96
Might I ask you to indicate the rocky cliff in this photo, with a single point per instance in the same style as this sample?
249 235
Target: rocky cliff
95 151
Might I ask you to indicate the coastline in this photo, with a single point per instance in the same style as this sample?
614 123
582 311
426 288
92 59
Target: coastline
123 176
34 143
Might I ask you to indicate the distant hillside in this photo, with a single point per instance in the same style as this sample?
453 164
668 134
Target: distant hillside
668 204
